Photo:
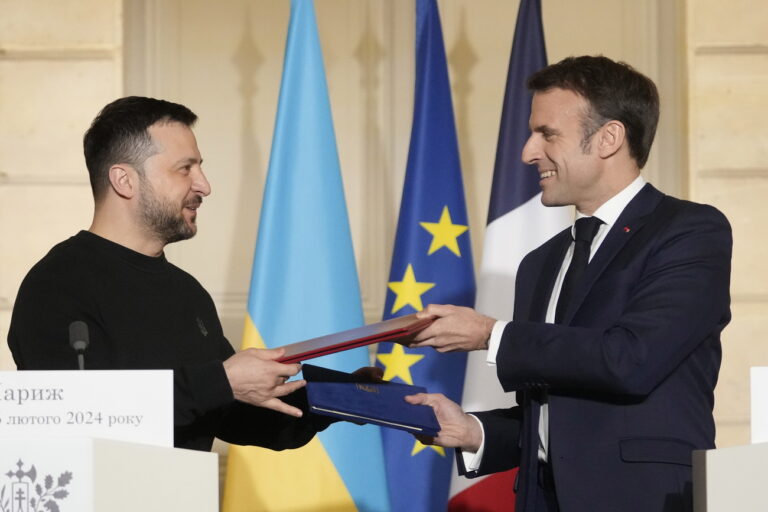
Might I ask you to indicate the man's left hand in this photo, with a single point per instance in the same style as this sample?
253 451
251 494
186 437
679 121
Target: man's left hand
457 428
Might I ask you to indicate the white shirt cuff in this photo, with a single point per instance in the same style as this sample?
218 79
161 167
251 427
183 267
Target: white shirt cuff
472 460
495 341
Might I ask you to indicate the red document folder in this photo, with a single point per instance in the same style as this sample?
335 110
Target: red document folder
395 329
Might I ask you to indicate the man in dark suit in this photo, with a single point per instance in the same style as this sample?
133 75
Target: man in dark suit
614 349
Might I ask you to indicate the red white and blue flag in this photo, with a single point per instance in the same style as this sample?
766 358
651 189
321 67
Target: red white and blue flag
517 223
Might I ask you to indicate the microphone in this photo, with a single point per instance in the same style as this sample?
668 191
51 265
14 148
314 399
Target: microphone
78 340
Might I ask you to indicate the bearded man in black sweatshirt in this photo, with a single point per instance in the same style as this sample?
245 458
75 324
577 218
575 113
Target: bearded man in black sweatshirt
142 311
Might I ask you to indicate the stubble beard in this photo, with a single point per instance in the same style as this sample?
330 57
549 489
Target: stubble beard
162 219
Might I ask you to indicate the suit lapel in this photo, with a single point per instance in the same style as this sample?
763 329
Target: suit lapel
546 282
629 223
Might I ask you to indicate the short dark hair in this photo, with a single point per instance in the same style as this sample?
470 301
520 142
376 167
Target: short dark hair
118 135
614 91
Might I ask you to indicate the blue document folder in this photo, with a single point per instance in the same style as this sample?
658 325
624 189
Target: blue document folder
378 403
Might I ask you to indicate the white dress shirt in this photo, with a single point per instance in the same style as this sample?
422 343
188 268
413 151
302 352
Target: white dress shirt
608 212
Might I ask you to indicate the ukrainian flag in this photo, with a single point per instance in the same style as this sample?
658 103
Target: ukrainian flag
304 284
431 263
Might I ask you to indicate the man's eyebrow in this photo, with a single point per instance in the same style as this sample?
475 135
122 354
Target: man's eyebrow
189 161
544 129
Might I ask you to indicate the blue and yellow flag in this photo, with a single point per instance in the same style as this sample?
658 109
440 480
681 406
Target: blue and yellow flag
431 263
304 284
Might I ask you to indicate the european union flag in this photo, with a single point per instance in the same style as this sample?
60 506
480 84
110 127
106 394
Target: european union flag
431 263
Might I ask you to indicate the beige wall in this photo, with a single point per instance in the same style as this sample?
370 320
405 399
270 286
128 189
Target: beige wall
174 47
61 60
727 56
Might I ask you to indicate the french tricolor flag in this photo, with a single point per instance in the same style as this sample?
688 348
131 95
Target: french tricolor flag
517 223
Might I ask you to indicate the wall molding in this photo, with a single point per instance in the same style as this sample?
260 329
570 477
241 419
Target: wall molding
732 420
236 304
78 180
731 49
230 297
86 52
230 303
735 173
151 47
758 298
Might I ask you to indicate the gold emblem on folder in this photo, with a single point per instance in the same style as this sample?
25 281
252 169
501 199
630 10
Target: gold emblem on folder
367 388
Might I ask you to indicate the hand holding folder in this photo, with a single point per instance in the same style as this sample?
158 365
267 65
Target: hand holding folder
457 428
401 330
352 398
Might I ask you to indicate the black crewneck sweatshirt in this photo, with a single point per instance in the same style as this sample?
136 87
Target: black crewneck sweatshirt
144 313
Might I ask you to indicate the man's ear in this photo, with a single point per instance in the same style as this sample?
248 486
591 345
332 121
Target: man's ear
611 138
124 180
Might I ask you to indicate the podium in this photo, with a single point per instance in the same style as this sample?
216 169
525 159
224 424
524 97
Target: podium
729 479
73 441
96 475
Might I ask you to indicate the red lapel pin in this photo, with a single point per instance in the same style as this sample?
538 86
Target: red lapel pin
626 229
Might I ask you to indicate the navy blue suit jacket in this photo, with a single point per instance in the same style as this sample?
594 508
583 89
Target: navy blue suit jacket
630 373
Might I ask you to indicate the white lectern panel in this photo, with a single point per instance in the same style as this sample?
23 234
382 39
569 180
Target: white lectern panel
759 399
125 405
731 479
98 475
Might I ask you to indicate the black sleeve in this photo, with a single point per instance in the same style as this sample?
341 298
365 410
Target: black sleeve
38 335
204 405
501 429
245 424
48 301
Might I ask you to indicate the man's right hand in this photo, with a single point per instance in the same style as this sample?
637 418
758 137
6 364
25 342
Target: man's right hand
455 328
258 379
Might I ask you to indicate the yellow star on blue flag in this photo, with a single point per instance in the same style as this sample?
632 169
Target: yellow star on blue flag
444 233
398 363
431 264
408 291
418 446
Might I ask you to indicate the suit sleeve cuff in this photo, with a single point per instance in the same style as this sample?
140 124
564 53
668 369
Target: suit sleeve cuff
199 390
472 460
495 341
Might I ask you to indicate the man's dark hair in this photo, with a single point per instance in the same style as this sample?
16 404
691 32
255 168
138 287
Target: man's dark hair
119 135
614 91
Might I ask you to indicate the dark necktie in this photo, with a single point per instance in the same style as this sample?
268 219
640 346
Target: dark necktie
586 229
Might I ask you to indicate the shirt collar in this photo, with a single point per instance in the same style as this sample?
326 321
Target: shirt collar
610 210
